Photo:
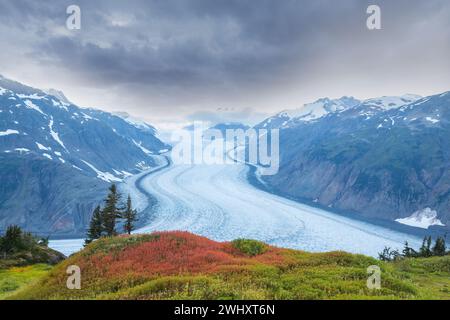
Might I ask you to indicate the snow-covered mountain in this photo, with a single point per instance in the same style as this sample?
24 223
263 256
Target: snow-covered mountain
385 158
325 106
422 219
52 150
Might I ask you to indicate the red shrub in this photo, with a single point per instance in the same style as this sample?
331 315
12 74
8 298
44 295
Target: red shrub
175 253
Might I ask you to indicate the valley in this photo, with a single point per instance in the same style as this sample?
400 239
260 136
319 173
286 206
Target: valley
218 202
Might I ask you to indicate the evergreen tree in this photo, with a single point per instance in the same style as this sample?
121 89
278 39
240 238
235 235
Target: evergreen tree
95 227
15 240
439 247
388 254
409 252
12 240
425 250
130 217
111 212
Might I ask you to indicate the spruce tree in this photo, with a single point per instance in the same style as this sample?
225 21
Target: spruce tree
130 217
12 240
439 247
425 250
95 226
408 252
111 212
388 254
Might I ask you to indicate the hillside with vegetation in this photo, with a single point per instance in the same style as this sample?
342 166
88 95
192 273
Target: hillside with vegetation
180 265
19 248
24 259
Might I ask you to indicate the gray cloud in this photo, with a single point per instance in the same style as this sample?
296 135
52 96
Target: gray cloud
175 60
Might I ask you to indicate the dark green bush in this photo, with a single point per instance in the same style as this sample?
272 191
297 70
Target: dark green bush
249 247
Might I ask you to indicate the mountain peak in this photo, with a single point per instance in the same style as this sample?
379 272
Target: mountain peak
58 94
392 102
138 123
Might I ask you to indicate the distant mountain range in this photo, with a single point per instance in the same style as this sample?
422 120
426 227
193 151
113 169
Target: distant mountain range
323 107
386 158
57 159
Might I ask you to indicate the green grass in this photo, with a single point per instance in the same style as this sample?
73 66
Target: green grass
431 276
13 280
242 269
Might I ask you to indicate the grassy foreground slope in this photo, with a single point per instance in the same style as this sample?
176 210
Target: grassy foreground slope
179 265
15 279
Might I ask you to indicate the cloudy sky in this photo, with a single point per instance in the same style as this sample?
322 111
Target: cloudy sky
170 62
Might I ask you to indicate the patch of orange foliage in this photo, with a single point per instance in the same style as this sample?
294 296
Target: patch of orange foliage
175 253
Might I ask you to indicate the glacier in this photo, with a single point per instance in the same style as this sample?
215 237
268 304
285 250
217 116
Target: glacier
218 202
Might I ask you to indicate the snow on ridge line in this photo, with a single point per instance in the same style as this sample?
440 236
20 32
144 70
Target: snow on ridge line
392 102
422 219
325 106
8 132
33 96
59 104
105 176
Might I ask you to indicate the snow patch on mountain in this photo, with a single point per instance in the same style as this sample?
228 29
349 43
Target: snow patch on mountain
105 176
422 219
55 135
392 102
42 147
87 117
325 106
33 96
432 120
47 156
309 112
321 107
22 150
8 132
139 145
31 105
142 166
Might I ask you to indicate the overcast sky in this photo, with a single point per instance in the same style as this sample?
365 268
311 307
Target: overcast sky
170 62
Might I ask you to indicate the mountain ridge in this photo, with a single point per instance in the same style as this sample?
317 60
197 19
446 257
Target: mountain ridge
386 163
46 142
